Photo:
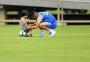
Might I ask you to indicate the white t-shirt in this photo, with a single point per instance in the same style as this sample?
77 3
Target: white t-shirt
22 25
40 18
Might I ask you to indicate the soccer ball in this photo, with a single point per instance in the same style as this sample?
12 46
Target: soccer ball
22 33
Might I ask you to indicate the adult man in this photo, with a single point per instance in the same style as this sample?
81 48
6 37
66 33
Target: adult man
45 21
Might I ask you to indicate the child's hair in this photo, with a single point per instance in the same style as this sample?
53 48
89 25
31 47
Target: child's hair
24 13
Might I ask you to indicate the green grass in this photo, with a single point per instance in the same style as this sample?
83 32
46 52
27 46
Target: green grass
71 44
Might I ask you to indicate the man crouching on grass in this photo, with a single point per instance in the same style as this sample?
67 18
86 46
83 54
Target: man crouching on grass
25 30
45 21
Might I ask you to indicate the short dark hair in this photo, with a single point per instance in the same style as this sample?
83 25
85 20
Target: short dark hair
24 12
31 13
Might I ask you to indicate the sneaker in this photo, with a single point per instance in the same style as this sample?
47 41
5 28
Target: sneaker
29 35
52 33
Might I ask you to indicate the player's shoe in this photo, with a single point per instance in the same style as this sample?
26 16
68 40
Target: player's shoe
22 33
29 35
52 33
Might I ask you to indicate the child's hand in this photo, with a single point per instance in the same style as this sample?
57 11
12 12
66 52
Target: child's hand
32 27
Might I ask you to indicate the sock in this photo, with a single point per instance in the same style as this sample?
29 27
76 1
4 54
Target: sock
41 31
41 34
51 30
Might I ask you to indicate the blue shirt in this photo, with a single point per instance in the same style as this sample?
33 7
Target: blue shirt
47 17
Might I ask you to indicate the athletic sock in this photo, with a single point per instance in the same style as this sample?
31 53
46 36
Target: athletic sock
51 30
41 33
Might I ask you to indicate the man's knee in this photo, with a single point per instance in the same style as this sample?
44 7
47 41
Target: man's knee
41 25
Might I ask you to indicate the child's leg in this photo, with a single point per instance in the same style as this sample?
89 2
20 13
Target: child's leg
29 27
30 33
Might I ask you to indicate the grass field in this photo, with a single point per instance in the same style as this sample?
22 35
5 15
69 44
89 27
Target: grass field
71 44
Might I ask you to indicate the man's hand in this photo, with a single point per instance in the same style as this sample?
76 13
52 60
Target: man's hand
32 27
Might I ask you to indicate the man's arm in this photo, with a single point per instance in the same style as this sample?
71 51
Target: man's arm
39 20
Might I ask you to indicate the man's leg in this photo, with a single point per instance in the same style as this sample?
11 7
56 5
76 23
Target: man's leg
41 34
46 26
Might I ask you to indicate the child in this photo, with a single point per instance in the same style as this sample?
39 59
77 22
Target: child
24 30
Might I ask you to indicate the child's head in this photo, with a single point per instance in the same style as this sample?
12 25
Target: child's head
25 14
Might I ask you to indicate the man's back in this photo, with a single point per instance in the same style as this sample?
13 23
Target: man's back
47 17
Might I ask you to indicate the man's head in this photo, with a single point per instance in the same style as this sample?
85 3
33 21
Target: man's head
34 14
24 13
